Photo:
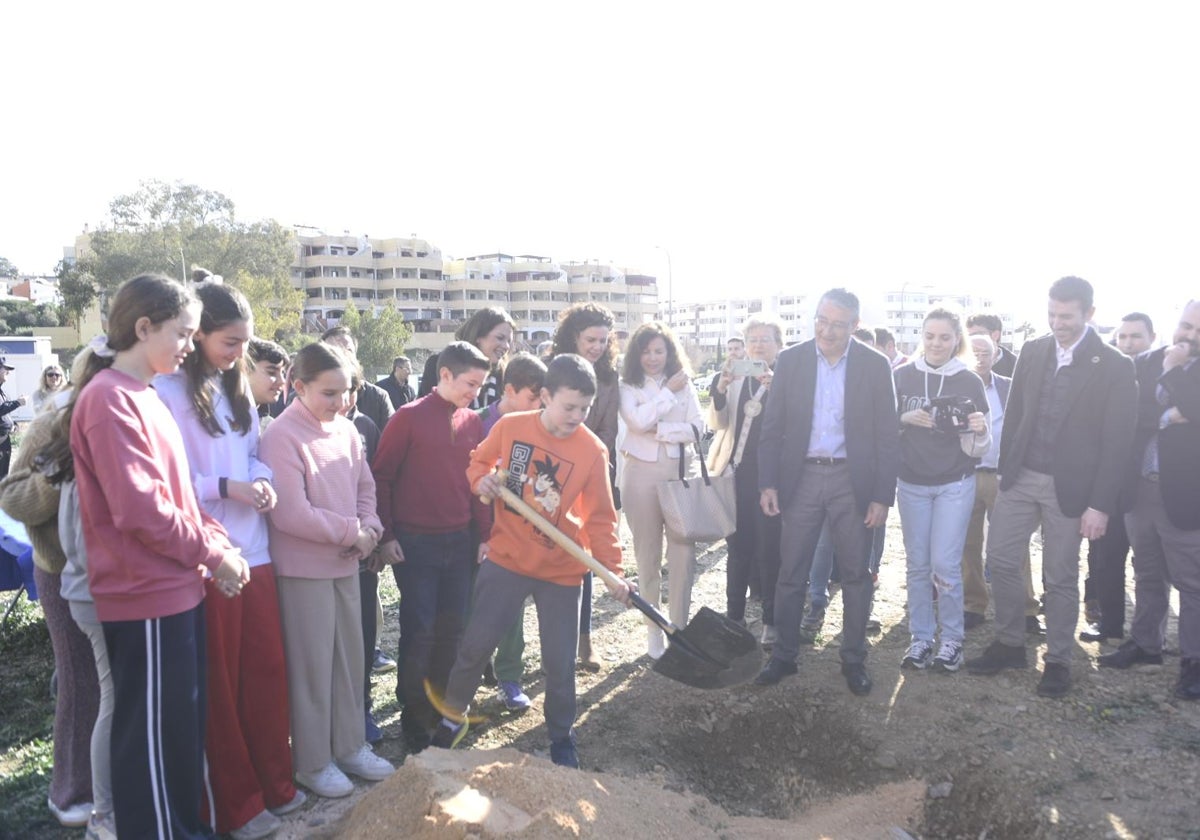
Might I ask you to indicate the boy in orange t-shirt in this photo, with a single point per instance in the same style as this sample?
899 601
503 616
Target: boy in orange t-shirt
560 468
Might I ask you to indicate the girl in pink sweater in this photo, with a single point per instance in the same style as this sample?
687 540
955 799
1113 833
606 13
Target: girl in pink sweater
149 545
323 524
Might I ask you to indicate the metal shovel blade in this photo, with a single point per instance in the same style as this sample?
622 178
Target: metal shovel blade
711 652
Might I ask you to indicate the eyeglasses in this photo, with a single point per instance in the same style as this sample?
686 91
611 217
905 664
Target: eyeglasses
54 376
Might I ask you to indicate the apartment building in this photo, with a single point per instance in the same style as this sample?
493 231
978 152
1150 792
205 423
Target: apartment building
903 312
705 326
435 294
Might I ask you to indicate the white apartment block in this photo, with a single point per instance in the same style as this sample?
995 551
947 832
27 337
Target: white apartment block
706 326
904 310
435 295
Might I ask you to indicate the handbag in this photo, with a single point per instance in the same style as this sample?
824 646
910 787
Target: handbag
698 509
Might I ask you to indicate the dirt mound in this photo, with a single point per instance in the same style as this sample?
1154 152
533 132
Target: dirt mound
505 793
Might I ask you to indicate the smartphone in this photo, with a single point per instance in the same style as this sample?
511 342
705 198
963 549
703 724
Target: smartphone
749 367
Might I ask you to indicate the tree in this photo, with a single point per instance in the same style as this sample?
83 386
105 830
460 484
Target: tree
278 307
78 288
381 339
7 269
171 228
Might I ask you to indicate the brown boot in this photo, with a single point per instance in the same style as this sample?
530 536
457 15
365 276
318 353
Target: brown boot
586 657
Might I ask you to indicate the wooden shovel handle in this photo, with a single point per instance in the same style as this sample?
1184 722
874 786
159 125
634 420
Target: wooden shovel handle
546 527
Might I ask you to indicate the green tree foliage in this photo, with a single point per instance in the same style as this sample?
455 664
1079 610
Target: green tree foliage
277 305
7 269
381 339
78 288
170 228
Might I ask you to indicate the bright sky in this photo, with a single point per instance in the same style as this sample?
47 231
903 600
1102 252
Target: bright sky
766 146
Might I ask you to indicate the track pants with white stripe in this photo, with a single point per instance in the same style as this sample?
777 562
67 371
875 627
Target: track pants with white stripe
158 675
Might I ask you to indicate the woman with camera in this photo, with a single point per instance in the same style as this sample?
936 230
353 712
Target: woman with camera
943 433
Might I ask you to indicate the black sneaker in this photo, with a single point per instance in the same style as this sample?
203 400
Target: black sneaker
918 657
563 752
1055 681
774 671
1034 626
1128 655
996 657
448 735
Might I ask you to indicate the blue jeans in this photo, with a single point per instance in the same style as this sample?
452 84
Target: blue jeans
934 520
435 589
822 567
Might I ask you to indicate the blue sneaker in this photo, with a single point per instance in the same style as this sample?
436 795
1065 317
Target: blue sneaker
374 733
563 752
515 700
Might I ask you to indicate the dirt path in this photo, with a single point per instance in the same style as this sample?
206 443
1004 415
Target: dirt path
1119 757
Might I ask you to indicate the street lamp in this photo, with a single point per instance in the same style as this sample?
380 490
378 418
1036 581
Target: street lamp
670 302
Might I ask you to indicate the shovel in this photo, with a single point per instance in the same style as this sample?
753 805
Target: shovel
711 652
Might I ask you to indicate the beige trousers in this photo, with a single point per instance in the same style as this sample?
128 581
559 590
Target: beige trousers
639 503
323 647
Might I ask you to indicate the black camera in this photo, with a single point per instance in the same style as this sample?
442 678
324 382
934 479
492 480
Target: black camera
950 413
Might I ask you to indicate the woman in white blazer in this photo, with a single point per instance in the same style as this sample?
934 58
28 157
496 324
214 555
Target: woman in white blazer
660 410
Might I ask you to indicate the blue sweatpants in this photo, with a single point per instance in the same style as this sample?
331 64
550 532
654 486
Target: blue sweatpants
158 675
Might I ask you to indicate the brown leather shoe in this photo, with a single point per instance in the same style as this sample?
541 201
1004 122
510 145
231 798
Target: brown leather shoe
587 657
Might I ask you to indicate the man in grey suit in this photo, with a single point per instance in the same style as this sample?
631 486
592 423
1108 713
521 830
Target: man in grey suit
1068 430
1164 521
828 452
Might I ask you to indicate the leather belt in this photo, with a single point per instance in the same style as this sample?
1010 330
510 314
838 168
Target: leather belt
825 462
986 470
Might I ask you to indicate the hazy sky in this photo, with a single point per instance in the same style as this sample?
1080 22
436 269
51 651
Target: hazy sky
765 145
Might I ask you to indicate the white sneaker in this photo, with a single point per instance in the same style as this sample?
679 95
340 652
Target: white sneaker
293 804
262 824
920 654
73 816
949 657
101 827
656 643
769 636
366 765
329 782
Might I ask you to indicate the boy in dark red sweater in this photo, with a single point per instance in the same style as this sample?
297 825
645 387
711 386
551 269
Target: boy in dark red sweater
560 468
434 529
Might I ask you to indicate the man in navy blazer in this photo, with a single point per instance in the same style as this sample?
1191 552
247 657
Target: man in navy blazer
1164 521
828 452
1068 427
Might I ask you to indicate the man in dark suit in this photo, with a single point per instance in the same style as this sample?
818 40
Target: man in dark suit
1068 427
1164 521
987 485
985 323
396 385
828 452
1104 587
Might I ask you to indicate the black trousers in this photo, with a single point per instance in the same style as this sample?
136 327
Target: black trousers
752 552
1106 576
159 692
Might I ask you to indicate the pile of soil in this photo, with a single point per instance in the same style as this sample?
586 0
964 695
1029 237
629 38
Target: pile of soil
505 793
